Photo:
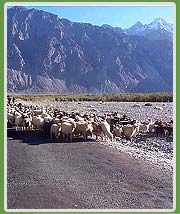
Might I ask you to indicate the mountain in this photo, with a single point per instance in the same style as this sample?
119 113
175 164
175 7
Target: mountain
157 30
135 29
46 54
116 29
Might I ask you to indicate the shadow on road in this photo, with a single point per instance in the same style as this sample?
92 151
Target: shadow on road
33 137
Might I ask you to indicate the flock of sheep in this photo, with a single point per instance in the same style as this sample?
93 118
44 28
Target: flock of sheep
64 126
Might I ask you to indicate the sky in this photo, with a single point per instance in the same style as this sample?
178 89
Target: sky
116 16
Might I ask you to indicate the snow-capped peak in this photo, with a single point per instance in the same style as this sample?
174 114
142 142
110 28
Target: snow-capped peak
157 24
159 20
160 23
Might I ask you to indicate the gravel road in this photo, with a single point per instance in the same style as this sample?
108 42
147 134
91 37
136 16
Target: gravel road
89 175
82 175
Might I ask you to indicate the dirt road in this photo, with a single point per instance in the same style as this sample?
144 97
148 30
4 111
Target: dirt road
82 175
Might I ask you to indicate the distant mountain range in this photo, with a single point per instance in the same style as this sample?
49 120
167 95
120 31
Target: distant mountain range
47 54
157 30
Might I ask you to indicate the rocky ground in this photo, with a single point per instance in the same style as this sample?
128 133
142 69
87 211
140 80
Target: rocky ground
140 113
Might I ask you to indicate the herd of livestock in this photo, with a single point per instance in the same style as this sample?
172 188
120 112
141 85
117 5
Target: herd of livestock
63 126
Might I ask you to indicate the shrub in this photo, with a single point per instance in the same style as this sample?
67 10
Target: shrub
142 97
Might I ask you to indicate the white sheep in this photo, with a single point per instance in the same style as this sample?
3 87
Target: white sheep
129 131
18 121
67 129
48 118
38 112
106 130
55 130
83 128
97 131
78 118
10 118
27 123
117 131
17 114
56 120
37 122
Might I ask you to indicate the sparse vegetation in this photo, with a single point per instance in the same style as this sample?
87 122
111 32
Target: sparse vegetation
143 97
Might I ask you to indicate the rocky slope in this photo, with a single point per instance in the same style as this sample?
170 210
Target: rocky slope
51 55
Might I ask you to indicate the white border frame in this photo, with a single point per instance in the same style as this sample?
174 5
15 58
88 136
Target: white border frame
174 100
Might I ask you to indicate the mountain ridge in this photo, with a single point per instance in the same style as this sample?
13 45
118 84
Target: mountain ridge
70 57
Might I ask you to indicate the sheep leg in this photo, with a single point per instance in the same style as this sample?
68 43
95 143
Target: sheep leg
70 137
